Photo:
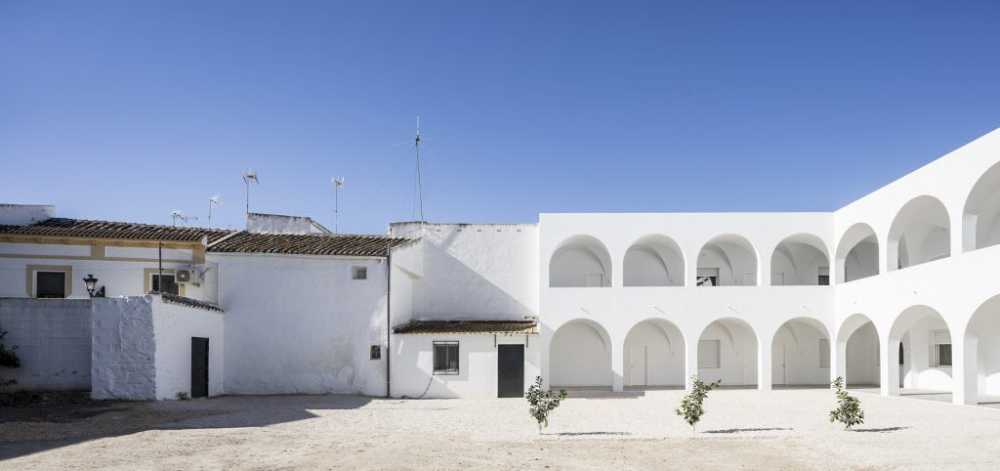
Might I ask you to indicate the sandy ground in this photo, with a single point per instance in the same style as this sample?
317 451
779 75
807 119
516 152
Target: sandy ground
743 429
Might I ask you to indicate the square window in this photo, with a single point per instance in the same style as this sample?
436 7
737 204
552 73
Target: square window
375 353
708 354
50 284
823 278
169 284
446 358
359 273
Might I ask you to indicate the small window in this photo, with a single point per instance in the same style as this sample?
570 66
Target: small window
708 277
824 276
169 284
943 354
50 284
375 353
824 353
708 354
359 273
446 358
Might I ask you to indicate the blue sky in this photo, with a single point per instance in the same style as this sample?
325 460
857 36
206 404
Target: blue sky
116 111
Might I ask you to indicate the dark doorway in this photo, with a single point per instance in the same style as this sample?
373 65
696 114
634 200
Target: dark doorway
510 370
199 367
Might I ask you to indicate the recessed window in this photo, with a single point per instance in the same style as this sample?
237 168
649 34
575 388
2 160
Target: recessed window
359 273
824 276
824 353
446 358
50 284
169 283
943 354
375 353
709 353
708 277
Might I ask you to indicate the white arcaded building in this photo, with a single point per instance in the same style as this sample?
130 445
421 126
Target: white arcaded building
897 290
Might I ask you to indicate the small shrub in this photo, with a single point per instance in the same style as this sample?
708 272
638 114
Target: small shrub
183 396
541 403
848 411
8 359
692 406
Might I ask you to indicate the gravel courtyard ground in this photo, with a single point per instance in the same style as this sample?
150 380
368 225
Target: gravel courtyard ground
743 429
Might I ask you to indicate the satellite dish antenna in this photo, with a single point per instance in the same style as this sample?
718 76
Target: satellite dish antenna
178 215
249 176
213 201
338 182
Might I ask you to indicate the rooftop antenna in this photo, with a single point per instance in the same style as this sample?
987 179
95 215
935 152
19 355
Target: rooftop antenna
213 201
178 215
420 189
249 176
338 182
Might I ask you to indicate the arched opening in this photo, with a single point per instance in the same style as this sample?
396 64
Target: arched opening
801 259
654 260
857 254
982 369
858 352
981 216
654 355
580 356
920 356
800 354
727 351
580 261
920 233
727 260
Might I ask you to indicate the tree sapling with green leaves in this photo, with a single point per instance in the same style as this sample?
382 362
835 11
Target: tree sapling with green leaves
542 403
848 411
692 406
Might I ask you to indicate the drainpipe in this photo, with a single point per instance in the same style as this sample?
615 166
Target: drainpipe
388 319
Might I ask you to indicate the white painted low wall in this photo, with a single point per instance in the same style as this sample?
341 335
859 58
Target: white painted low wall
53 340
123 358
413 365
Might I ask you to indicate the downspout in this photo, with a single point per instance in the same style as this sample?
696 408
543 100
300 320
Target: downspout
388 320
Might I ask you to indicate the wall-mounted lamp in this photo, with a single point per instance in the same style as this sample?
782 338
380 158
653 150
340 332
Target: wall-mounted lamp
91 283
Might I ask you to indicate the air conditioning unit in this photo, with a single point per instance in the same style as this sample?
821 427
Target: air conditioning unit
184 276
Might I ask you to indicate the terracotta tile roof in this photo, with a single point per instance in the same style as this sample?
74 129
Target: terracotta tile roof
189 302
307 244
469 327
64 227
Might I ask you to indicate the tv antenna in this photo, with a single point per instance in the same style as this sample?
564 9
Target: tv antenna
213 201
249 176
338 182
178 215
420 189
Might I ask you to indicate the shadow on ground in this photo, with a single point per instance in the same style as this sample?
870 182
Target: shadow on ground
879 430
80 420
738 430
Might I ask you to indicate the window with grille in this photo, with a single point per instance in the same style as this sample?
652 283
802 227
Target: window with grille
446 358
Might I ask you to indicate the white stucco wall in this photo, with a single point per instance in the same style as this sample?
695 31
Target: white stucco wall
473 271
52 337
174 326
300 324
124 350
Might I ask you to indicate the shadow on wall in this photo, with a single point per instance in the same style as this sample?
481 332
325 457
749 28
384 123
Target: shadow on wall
58 425
463 283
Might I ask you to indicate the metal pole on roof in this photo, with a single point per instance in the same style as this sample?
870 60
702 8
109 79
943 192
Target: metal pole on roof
420 188
337 183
